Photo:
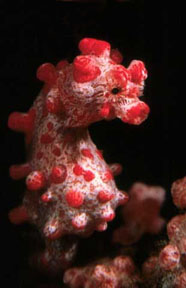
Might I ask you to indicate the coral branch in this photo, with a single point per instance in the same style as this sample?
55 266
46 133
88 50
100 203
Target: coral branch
141 214
119 272
168 268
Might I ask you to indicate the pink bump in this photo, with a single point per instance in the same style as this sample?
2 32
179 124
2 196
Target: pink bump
84 69
108 215
22 122
78 170
88 175
58 174
107 176
47 197
18 215
79 222
94 46
47 73
74 198
105 196
35 181
87 153
19 171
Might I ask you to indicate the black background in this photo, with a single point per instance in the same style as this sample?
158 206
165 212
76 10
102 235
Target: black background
154 152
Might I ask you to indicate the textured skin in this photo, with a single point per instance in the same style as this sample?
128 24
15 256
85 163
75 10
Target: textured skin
178 192
117 273
141 214
169 267
70 188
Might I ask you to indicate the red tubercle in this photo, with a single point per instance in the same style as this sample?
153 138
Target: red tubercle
80 221
93 46
87 153
47 73
47 197
107 176
35 181
14 121
88 175
108 215
84 70
58 174
19 171
18 215
22 122
78 170
105 196
74 198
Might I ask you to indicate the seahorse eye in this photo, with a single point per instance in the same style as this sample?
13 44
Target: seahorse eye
116 90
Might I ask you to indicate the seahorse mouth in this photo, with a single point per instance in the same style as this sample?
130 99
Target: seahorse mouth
135 113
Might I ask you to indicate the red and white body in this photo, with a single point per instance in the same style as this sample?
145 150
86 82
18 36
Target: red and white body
70 188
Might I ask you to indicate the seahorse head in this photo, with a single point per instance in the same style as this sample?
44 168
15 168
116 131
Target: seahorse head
105 87
96 86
